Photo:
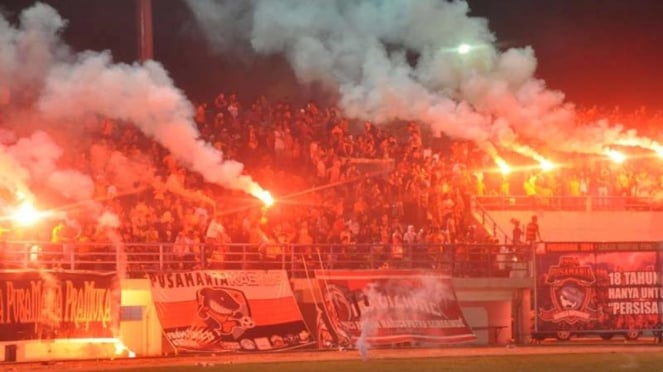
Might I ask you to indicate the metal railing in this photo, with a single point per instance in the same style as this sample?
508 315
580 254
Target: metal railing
136 260
488 223
570 203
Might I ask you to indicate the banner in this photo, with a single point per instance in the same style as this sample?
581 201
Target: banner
58 304
229 310
598 291
391 306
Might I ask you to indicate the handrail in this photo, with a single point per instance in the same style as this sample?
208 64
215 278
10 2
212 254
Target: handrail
461 259
569 203
485 217
138 259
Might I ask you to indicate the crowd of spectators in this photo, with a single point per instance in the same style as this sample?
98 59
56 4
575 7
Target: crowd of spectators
336 181
578 176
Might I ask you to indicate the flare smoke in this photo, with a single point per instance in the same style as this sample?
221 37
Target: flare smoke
362 51
41 71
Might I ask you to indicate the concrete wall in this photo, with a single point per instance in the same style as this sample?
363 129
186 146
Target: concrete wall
606 226
143 336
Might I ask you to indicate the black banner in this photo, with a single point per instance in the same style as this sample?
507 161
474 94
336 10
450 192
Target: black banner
600 291
58 304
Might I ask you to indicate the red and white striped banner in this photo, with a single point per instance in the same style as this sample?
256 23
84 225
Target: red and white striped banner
229 310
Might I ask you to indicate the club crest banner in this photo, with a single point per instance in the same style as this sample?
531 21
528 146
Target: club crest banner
391 306
228 310
590 289
58 304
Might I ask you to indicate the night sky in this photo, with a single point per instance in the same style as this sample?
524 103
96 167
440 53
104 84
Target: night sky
599 52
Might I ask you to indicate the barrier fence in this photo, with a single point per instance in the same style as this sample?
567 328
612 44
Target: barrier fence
136 260
570 203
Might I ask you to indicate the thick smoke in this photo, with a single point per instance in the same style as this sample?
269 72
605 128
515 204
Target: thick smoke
13 176
122 173
40 71
363 51
39 154
28 51
144 95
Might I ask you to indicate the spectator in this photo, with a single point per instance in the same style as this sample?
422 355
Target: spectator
216 240
532 233
516 233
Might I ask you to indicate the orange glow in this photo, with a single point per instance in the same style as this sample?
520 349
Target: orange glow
26 214
120 349
641 142
546 165
265 197
616 156
504 167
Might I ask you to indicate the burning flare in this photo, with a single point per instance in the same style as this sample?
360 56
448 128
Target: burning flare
122 350
616 156
264 196
464 49
642 142
546 165
504 167
26 214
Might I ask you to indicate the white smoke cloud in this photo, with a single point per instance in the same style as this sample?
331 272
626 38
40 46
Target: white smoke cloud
38 68
39 154
28 51
359 48
13 176
109 220
144 95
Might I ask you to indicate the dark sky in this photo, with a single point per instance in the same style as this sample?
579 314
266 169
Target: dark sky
599 52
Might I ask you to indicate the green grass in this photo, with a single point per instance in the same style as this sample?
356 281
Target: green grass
643 361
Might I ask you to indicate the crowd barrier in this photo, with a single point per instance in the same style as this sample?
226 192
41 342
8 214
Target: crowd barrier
570 203
137 260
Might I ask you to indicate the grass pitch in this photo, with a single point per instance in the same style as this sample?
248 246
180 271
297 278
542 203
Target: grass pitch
643 361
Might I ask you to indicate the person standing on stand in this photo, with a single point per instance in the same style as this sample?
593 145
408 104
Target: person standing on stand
516 233
532 233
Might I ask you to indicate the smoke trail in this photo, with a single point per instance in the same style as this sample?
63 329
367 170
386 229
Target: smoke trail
50 316
39 154
144 95
368 321
13 177
363 51
127 173
28 51
429 289
109 222
174 185
39 68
